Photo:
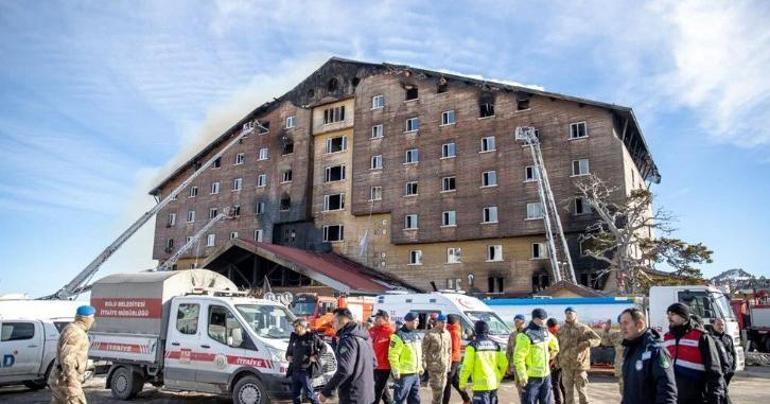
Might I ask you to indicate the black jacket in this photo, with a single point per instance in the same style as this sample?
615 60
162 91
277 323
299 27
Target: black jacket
355 367
648 375
711 389
727 355
301 348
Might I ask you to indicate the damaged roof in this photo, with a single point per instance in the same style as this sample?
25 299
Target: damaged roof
631 135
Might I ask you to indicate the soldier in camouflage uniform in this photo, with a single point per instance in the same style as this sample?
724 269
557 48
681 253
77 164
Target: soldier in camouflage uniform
69 368
575 343
437 356
615 340
519 322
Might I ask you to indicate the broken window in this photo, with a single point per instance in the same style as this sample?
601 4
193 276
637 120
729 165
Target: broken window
335 173
286 176
236 211
442 86
288 148
240 158
582 206
169 245
495 284
486 110
522 101
411 93
486 104
334 202
336 144
335 114
218 162
285 203
334 233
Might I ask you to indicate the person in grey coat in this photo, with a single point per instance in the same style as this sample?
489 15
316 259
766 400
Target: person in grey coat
355 362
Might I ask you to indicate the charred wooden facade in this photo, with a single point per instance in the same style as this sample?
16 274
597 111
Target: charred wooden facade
372 175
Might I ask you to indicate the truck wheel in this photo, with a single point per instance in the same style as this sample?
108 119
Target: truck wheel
249 390
123 383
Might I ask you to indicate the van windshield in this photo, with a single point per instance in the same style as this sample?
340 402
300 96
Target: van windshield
723 303
496 325
267 320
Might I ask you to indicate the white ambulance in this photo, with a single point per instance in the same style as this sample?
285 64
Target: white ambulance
192 330
469 309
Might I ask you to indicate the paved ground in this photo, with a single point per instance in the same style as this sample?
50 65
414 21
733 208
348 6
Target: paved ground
748 387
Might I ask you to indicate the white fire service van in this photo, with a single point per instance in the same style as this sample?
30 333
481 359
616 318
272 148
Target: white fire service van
467 308
192 330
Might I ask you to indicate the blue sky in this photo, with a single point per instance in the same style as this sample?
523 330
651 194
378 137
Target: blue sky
99 99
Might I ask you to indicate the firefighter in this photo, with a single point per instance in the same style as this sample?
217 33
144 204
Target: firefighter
647 370
575 341
615 339
69 368
437 356
695 358
453 378
380 334
485 364
405 357
535 349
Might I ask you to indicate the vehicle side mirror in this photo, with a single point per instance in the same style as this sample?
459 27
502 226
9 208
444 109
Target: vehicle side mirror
235 339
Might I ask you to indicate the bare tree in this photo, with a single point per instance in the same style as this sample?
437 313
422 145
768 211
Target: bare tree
624 236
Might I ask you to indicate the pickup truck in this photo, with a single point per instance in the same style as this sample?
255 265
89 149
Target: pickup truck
28 349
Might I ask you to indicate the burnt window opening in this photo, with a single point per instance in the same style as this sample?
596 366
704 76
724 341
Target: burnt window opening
540 281
495 284
335 173
218 162
288 148
169 245
333 84
486 104
266 126
236 210
522 101
442 86
355 81
486 110
310 92
285 203
411 93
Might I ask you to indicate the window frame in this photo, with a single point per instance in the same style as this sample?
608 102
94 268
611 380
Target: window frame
215 188
447 180
378 129
577 125
542 211
413 154
190 215
408 187
291 121
542 253
341 233
240 159
326 202
446 147
197 319
412 219
287 173
237 184
577 167
485 141
211 240
487 211
410 122
376 157
266 152
261 180
328 173
445 115
415 257
485 176
446 215
378 105
343 145
498 248
372 193
454 255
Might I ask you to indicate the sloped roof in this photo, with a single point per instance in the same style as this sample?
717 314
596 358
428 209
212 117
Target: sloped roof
328 268
634 141
579 290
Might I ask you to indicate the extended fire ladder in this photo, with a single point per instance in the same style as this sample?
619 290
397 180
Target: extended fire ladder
76 285
169 263
553 228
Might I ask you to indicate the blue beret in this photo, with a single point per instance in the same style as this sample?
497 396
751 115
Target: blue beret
410 316
519 317
85 311
441 318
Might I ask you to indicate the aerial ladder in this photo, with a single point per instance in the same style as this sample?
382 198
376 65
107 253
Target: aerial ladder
553 228
169 263
78 283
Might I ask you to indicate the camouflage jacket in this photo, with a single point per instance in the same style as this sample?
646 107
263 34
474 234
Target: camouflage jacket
575 342
510 348
615 340
71 355
437 350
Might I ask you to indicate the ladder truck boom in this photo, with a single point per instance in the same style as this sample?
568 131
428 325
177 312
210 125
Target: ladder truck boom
71 289
169 263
